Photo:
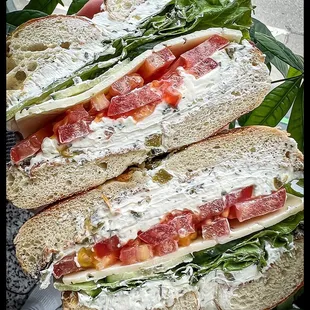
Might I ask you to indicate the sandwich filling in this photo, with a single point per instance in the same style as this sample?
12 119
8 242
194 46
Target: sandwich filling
176 229
230 264
167 86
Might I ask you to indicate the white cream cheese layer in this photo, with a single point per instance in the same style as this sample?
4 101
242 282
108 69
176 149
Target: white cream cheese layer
163 293
118 136
126 22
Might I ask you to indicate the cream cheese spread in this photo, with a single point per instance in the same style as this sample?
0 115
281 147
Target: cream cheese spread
118 136
124 24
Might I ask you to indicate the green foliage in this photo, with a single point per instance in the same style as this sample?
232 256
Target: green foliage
16 18
275 105
286 96
45 6
75 6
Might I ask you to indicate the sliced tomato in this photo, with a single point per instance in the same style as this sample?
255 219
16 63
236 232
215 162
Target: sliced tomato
203 51
98 103
136 253
158 234
69 132
71 116
30 145
126 84
143 112
106 261
107 246
172 69
76 114
216 228
182 222
172 96
186 241
133 100
65 266
239 195
203 67
212 208
165 247
156 64
260 205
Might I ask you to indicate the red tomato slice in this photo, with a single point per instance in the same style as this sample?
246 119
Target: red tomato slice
156 64
212 208
107 246
135 253
203 50
158 234
183 224
98 103
203 67
143 112
216 228
69 132
238 195
105 261
260 205
71 116
165 247
31 145
172 96
126 84
65 266
76 114
133 100
172 69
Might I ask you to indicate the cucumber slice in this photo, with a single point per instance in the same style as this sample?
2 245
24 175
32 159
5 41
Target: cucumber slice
149 272
87 84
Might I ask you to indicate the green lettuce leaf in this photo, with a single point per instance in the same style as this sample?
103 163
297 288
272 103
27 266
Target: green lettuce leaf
232 256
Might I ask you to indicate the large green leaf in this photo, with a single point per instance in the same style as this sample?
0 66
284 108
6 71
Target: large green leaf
45 6
75 6
16 18
275 105
292 72
296 123
280 50
260 27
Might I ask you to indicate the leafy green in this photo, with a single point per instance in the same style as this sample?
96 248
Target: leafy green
231 256
16 18
75 6
296 122
298 191
45 6
292 72
280 50
275 105
259 27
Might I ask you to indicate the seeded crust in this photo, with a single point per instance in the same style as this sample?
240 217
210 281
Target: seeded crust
49 183
280 281
35 242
